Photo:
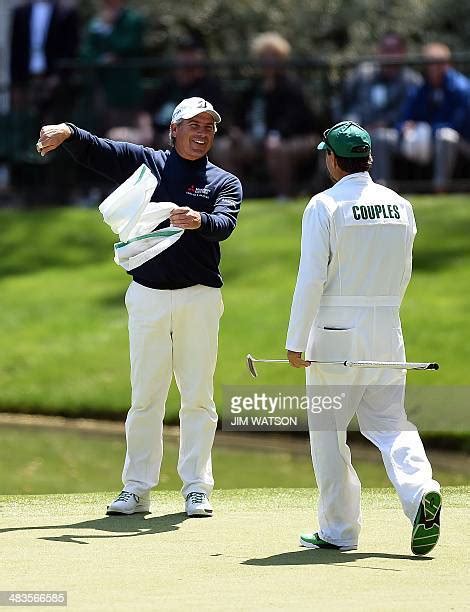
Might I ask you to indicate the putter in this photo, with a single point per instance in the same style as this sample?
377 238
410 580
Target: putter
396 365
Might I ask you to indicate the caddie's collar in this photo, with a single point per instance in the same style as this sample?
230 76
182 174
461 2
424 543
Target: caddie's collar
356 176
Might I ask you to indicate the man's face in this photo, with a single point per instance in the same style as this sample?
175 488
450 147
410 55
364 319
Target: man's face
439 59
194 137
391 48
271 62
435 73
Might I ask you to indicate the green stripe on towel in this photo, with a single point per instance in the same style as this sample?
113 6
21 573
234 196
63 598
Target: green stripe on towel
165 233
142 172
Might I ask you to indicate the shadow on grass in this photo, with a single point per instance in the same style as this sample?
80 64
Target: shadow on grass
330 557
115 527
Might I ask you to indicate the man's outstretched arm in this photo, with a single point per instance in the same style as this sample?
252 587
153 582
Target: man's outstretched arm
114 160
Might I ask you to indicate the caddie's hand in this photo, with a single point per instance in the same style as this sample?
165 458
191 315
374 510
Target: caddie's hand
186 218
51 137
296 361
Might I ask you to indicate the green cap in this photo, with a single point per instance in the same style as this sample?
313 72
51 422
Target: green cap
347 139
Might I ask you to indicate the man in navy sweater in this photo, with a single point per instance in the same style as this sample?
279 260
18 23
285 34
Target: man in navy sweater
174 301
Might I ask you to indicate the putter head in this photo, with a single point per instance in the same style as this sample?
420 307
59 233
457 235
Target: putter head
251 366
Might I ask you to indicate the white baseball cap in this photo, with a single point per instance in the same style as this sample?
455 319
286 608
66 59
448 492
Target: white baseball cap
190 107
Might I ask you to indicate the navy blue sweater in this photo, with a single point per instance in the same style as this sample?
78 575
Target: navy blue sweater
194 259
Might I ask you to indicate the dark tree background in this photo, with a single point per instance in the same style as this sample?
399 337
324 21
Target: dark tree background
338 29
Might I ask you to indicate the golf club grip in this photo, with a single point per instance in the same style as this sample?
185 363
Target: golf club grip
396 365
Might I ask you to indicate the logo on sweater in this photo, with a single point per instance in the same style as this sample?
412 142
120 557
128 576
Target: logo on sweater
198 192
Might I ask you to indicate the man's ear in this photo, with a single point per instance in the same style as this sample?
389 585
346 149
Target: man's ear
173 130
335 161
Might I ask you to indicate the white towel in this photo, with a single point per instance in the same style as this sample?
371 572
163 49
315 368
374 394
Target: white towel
129 213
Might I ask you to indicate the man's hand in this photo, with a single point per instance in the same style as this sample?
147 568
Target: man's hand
51 137
296 361
186 218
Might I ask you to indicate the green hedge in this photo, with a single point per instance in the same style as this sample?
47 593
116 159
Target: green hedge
322 27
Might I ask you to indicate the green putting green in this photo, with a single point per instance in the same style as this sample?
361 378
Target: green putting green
245 558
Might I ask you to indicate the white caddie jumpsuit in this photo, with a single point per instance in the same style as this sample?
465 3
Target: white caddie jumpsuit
355 265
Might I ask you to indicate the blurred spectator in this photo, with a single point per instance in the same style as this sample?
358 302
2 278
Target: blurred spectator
43 33
373 95
189 79
113 36
435 123
273 122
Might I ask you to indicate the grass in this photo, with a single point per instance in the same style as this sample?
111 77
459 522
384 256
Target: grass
73 462
245 558
64 320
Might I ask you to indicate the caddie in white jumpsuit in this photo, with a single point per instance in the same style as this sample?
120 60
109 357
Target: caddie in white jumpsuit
355 265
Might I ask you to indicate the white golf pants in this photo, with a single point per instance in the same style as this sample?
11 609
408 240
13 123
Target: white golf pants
377 397
172 331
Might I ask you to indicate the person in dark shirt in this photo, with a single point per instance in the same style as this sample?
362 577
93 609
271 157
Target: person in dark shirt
373 95
43 34
273 122
189 78
174 301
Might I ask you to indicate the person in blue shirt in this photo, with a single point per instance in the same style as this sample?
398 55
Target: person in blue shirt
174 301
435 122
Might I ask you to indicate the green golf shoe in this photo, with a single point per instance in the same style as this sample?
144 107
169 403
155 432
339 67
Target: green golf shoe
426 526
313 540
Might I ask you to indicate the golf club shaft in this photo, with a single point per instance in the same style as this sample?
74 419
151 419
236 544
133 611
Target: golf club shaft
397 365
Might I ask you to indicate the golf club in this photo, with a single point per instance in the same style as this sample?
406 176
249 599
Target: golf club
396 365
